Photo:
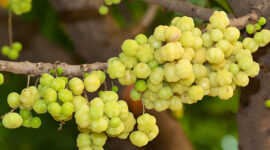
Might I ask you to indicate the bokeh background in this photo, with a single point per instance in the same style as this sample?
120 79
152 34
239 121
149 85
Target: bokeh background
80 35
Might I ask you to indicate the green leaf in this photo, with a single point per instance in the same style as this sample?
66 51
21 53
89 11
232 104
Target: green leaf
224 4
118 16
202 3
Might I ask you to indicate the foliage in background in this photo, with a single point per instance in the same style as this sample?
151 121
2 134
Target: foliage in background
208 121
50 26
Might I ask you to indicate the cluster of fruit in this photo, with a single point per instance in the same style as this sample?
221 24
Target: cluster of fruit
52 95
261 37
12 52
62 98
177 64
91 141
103 10
147 130
252 28
20 6
109 115
180 64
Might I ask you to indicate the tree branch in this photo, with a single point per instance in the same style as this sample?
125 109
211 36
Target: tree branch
192 10
35 69
184 7
146 20
241 22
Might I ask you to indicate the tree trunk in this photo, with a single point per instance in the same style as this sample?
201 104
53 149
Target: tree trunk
253 117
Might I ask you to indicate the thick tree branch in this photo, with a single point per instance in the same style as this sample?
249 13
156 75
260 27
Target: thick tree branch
192 10
184 7
35 69
241 22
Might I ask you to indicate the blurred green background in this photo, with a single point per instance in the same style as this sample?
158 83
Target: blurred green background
209 124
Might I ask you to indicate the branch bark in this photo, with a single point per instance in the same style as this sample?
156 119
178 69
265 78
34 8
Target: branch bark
192 10
241 22
253 118
184 7
36 69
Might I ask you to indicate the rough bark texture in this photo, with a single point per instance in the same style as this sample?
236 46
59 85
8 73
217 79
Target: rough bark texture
253 117
36 69
241 22
184 7
171 136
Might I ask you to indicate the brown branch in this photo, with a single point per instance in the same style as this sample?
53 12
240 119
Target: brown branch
184 7
241 22
35 69
192 10
146 20
79 15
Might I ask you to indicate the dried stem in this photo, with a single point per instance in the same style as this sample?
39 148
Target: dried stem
28 80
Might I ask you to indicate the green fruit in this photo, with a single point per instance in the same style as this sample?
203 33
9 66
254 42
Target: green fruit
103 10
153 63
91 83
52 71
65 95
13 54
267 103
85 75
99 93
40 107
59 71
250 28
13 100
141 39
262 21
139 138
76 86
140 86
114 122
25 113
101 75
5 50
257 27
58 84
54 109
17 46
35 122
135 95
109 96
115 88
46 79
50 95
12 120
2 79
